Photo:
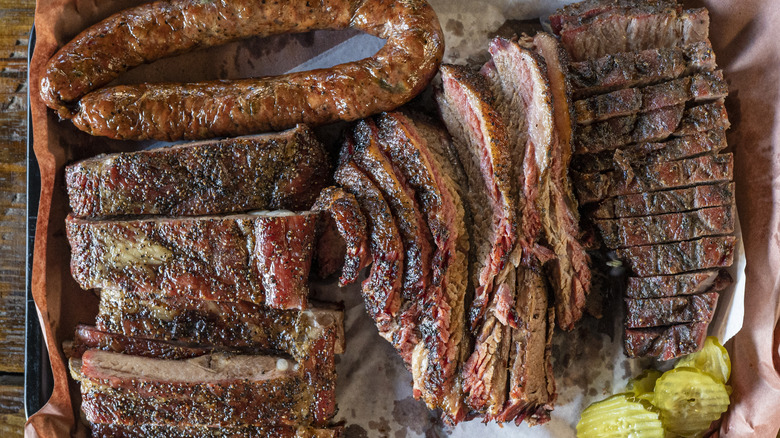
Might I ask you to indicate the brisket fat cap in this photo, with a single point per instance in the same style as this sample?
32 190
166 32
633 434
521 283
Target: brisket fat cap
480 138
262 258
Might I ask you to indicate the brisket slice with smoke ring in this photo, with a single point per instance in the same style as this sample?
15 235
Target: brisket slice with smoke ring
263 172
263 258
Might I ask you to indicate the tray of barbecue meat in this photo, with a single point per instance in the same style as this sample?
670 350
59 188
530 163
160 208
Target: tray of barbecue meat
427 220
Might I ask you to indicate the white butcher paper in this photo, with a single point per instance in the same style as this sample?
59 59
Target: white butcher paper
374 388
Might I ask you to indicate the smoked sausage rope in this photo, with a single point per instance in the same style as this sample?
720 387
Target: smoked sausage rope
170 111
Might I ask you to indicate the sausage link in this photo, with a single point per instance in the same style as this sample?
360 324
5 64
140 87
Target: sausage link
169 111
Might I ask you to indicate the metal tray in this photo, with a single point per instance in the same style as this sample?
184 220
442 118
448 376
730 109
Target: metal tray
38 380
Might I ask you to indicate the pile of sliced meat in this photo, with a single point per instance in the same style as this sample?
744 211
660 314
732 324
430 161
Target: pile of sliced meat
471 224
205 327
650 128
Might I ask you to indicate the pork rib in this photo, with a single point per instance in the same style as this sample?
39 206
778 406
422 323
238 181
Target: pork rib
666 343
634 69
262 258
657 176
663 228
351 224
679 257
714 280
657 312
262 172
669 201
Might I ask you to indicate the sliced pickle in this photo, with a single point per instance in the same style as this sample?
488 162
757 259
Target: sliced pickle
689 400
642 385
713 359
620 416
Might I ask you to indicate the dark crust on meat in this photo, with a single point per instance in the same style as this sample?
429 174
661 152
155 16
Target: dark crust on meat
669 201
154 431
240 325
679 257
582 12
663 228
495 168
396 73
264 172
666 343
632 69
262 259
351 225
657 312
657 176
711 141
682 284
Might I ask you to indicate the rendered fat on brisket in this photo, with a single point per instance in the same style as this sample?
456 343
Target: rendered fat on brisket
657 312
345 212
211 390
633 30
634 69
679 257
650 126
697 88
263 258
264 172
668 201
417 149
708 142
713 280
219 323
689 172
665 343
663 228
157 431
480 138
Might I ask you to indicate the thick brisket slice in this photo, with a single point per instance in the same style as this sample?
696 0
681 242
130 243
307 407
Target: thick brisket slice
656 312
633 69
262 258
382 288
699 87
649 230
262 172
699 143
216 323
679 257
582 12
706 169
211 390
714 280
666 343
480 137
630 31
669 201
415 148
155 431
344 209
368 156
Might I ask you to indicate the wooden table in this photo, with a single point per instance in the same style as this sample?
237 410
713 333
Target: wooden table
16 18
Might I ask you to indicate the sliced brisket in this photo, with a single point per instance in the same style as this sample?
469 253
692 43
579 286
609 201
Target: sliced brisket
263 258
582 12
649 230
156 431
480 138
666 343
697 88
699 143
714 280
669 201
679 257
344 209
633 69
657 312
262 172
706 169
633 30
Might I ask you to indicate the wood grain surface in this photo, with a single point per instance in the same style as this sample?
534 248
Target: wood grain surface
16 18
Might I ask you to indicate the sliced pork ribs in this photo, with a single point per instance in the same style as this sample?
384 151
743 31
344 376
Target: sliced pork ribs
651 128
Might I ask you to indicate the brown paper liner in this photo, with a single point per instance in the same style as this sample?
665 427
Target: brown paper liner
745 37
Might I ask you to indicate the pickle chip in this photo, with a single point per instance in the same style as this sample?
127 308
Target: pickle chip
642 386
689 400
620 416
713 359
